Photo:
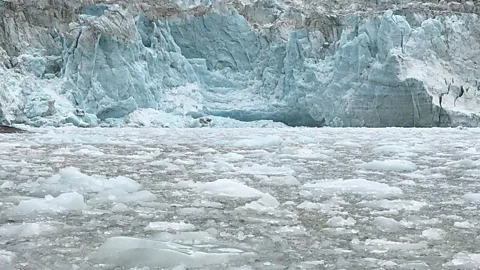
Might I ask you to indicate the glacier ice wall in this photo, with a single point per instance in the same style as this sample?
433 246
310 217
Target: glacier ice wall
91 62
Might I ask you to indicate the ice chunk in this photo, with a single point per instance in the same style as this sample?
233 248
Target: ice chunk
341 222
161 163
265 204
463 225
26 229
229 188
136 252
287 180
269 201
407 183
390 149
309 205
119 208
71 138
230 157
267 170
260 142
71 179
186 237
291 230
465 261
389 224
6 257
311 264
354 186
190 211
7 185
385 245
64 202
407 205
389 165
169 226
347 143
434 234
472 197
301 153
120 195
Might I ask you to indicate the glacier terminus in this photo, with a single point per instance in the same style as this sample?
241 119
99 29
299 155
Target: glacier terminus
241 63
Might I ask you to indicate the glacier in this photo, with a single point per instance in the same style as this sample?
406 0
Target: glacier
258 63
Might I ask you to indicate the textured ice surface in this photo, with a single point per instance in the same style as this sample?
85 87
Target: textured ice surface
198 208
302 62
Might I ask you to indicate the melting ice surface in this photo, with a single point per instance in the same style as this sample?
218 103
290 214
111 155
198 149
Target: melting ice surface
291 198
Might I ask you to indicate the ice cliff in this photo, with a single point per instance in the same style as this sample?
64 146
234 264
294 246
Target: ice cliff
335 63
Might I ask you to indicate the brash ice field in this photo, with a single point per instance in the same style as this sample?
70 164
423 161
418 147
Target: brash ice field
290 198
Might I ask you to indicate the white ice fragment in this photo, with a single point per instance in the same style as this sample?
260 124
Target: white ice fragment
7 257
259 142
119 208
125 183
385 245
291 230
390 149
222 166
466 261
71 179
232 157
266 203
407 205
120 195
160 163
184 162
191 211
64 202
341 222
229 188
311 264
135 252
472 197
7 184
185 237
169 226
309 206
389 224
258 169
407 183
389 165
463 225
347 143
301 153
434 234
354 186
26 229
287 180
89 152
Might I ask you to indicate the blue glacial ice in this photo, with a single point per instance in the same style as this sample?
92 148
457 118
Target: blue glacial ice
261 63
